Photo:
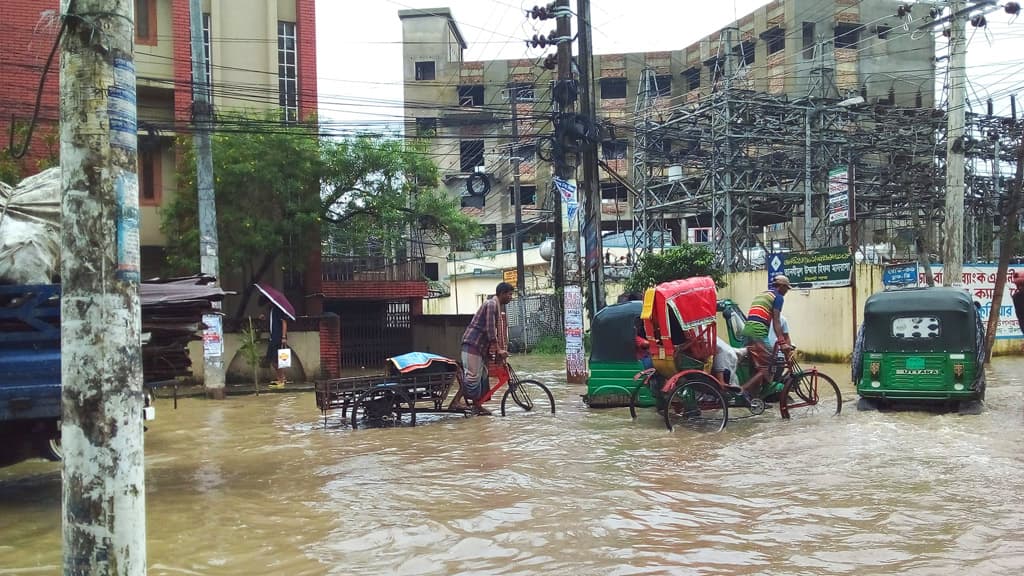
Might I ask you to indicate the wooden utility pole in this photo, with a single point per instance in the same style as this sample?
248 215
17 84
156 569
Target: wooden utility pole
202 114
953 227
1007 245
103 506
591 188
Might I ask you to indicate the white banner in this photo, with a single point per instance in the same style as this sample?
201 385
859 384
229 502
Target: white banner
980 281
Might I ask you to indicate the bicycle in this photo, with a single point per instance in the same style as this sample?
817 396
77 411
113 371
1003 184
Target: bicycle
521 392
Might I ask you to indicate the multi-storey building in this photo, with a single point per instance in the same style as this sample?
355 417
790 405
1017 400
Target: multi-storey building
809 50
261 55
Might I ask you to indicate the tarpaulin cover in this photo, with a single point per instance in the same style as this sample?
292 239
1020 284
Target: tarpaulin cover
30 229
413 361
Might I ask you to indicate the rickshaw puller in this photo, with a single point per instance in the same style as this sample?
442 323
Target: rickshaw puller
764 315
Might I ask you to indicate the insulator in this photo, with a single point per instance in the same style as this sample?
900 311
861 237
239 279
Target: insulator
551 62
903 10
934 13
947 32
978 21
1012 8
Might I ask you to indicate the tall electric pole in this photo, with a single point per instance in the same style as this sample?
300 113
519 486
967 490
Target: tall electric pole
518 201
953 226
565 173
213 336
591 188
104 497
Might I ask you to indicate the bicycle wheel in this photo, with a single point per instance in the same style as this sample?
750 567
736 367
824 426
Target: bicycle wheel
698 406
383 407
808 394
528 396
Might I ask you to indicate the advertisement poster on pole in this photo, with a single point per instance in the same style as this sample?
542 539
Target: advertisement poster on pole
575 357
213 341
570 205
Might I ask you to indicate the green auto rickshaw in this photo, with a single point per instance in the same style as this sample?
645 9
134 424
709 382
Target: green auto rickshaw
923 344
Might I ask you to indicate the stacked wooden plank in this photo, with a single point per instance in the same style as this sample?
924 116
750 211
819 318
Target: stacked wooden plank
172 316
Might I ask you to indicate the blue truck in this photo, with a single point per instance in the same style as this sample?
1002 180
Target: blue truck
30 372
30 401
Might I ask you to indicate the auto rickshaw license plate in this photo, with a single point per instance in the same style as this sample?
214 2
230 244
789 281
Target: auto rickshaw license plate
915 363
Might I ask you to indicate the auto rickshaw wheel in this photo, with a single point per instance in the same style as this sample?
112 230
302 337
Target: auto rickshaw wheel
808 394
696 405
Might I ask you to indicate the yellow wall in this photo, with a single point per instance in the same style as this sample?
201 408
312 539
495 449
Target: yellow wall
305 358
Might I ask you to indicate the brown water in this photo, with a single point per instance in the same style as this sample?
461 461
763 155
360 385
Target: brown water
258 486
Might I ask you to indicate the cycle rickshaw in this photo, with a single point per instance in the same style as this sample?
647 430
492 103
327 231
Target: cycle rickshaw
680 324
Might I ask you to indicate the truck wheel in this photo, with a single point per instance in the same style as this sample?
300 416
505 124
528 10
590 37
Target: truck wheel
49 446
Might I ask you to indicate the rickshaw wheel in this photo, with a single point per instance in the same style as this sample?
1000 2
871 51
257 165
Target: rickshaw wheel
529 396
383 407
698 406
809 394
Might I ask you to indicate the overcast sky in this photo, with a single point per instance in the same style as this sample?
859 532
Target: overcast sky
359 45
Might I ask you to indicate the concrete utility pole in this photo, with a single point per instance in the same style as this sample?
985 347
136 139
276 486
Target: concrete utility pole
213 336
513 98
565 169
104 495
953 227
591 188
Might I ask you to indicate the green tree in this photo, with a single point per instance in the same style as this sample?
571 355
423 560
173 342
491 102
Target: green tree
281 189
683 261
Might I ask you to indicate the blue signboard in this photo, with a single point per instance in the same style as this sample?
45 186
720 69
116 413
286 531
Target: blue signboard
900 274
776 266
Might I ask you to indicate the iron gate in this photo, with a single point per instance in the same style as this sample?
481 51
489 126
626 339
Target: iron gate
373 331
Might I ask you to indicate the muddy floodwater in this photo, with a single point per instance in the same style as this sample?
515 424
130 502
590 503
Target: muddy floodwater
257 485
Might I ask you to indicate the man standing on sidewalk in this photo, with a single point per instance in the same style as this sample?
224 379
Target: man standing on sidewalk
483 337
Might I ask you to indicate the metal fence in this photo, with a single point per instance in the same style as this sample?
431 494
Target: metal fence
543 318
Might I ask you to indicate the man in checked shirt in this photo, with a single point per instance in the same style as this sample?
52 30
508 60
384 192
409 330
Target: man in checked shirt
483 337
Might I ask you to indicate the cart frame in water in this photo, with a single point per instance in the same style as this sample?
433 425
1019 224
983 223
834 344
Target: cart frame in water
680 325
420 382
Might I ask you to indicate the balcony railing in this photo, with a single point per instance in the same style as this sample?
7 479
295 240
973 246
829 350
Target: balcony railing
371 269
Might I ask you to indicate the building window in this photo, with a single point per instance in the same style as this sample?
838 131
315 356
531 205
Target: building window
287 71
471 155
145 22
432 271
524 91
471 95
746 53
426 127
613 192
150 191
663 85
613 88
470 201
775 40
847 35
698 235
527 195
808 40
691 78
613 149
425 70
527 153
207 49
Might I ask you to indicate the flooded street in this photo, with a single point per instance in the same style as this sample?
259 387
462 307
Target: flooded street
258 486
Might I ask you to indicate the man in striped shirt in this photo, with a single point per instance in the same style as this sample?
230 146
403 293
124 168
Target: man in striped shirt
765 315
483 337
